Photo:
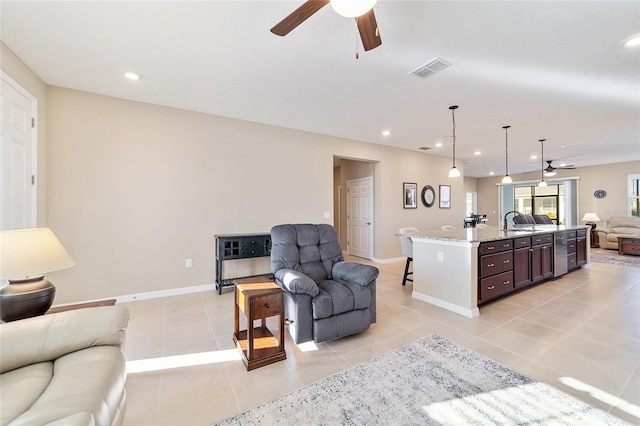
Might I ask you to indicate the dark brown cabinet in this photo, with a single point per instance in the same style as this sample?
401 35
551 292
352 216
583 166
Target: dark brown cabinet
522 262
541 257
495 269
581 247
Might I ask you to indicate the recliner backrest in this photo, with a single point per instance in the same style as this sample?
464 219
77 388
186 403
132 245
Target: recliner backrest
308 248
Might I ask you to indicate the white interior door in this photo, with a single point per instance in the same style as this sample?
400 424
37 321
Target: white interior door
360 217
17 156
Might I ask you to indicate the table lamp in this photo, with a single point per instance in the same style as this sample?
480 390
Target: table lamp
25 256
591 219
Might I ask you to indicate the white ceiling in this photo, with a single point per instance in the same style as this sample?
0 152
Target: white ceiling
550 69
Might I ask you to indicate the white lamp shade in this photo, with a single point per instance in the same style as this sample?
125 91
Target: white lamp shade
454 172
352 8
590 217
30 253
507 179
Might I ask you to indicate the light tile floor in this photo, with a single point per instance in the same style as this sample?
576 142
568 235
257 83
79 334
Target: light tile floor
579 333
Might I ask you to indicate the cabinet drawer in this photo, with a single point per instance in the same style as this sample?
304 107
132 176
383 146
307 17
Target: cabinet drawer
571 246
572 262
571 234
496 263
267 306
537 240
495 246
521 242
495 286
581 233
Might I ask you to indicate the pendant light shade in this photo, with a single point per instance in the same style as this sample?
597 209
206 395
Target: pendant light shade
506 178
543 182
454 172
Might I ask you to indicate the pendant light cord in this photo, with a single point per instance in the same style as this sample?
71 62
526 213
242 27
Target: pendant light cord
453 118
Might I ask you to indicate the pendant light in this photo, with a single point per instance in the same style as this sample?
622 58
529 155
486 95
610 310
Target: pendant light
454 172
506 178
543 182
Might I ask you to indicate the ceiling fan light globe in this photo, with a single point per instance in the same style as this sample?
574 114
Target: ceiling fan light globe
352 8
550 174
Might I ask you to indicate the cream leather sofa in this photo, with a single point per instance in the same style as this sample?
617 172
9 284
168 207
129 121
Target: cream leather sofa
64 369
618 226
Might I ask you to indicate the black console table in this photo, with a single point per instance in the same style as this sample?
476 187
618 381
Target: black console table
238 246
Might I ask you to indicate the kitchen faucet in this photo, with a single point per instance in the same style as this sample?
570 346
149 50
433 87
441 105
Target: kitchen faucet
515 213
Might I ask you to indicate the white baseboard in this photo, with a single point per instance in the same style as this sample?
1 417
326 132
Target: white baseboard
149 295
469 313
165 293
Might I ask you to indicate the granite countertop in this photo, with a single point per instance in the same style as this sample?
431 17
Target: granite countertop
491 233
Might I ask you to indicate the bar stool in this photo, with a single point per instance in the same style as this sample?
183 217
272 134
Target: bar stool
407 250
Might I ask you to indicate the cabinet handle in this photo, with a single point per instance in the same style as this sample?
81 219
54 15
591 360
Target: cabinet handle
506 282
505 245
506 261
491 287
491 265
266 305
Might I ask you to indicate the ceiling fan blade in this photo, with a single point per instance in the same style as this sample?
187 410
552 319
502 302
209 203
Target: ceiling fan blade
369 32
298 16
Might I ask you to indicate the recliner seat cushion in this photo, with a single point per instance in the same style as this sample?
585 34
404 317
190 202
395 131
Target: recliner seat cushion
337 297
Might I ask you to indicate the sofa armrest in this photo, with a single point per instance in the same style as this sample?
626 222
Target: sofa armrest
354 272
48 337
297 282
604 230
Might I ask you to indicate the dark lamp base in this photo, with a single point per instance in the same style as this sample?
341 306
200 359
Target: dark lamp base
25 298
591 224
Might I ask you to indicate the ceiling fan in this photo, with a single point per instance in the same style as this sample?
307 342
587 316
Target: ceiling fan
551 171
365 18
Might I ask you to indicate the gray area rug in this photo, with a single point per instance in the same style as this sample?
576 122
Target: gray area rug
431 381
612 257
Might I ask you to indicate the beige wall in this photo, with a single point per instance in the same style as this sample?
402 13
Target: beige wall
13 66
135 189
610 177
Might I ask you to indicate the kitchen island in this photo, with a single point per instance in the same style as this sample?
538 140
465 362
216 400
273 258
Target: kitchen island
462 269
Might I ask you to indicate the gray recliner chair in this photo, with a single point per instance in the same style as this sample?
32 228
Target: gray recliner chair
325 297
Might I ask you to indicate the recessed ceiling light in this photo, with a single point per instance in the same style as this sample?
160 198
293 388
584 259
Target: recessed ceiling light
386 132
132 75
632 41
477 153
569 145
491 173
533 157
439 144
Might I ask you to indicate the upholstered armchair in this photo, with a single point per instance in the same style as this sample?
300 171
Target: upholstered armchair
325 297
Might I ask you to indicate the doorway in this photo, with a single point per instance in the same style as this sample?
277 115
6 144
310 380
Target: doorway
354 205
18 156
360 217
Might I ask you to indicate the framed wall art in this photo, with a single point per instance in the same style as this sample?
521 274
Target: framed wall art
410 195
445 196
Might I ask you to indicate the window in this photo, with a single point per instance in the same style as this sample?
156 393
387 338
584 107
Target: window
634 195
548 200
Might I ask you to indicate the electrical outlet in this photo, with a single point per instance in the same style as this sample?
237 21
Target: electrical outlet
188 263
440 256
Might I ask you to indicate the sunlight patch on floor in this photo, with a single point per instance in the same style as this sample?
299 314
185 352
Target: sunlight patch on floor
603 396
177 361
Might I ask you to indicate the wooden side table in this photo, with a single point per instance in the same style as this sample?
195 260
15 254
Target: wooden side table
258 298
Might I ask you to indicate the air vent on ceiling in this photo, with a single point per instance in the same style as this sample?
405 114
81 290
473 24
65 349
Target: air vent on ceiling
433 66
424 148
